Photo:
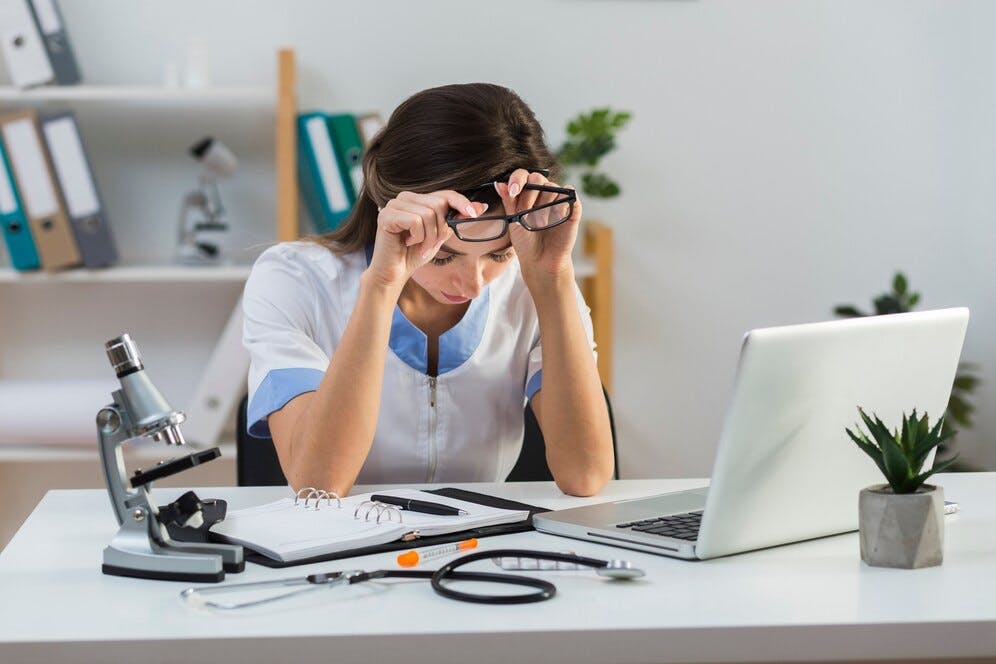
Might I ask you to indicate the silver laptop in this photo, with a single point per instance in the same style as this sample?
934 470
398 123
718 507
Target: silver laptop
785 470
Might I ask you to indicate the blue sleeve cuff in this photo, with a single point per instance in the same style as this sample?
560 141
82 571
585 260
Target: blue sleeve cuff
279 387
534 384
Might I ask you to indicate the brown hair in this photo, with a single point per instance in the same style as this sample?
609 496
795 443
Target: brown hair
450 137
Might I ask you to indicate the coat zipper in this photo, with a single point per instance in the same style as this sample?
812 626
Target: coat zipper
432 429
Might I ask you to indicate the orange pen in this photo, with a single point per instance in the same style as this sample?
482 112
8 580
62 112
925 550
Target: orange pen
414 557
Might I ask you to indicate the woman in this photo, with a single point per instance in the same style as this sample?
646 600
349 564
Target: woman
403 346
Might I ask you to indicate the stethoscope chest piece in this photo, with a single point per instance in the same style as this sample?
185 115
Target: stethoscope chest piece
622 570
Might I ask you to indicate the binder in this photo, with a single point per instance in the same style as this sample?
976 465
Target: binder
348 150
80 195
524 525
324 186
48 20
22 47
369 125
33 177
16 232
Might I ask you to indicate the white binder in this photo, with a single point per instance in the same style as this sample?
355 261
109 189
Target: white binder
22 47
74 174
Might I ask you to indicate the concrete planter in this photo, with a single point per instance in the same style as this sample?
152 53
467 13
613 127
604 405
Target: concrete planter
901 530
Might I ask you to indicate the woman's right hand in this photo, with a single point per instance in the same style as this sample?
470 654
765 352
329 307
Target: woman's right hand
410 230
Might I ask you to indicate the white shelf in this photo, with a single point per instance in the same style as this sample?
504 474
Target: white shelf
133 274
140 93
143 452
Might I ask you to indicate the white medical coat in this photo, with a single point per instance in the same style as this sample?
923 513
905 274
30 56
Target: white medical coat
464 425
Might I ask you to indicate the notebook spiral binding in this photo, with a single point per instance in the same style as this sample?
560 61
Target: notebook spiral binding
319 495
381 509
365 510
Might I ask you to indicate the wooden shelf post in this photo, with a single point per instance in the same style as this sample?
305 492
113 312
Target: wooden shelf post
597 291
286 148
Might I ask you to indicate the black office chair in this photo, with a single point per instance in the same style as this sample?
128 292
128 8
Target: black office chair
531 465
257 464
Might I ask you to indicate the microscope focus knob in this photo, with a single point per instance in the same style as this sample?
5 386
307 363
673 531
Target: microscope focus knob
108 420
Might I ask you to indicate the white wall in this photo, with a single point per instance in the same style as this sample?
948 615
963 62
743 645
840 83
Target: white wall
785 156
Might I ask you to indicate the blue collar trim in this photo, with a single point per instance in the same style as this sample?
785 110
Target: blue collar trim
408 342
456 345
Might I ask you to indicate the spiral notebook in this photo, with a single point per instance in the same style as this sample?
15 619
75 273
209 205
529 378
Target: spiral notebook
296 530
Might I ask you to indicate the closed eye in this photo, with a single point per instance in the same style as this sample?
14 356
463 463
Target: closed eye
499 257
443 261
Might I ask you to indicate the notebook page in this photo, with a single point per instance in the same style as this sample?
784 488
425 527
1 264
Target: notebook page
285 531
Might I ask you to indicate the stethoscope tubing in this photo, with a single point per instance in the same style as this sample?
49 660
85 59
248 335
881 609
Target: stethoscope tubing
438 579
546 590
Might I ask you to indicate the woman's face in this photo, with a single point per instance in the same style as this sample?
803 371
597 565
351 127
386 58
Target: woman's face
461 269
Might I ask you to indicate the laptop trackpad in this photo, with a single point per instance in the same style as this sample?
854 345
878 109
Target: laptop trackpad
671 503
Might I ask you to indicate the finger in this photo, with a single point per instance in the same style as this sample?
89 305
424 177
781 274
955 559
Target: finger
506 200
431 225
479 209
576 212
547 196
412 218
422 205
516 181
397 221
456 201
441 209
527 198
445 232
444 237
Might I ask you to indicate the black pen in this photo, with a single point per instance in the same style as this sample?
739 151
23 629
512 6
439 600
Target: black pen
423 506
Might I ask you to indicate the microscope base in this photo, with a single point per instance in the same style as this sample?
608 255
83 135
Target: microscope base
164 567
136 552
161 575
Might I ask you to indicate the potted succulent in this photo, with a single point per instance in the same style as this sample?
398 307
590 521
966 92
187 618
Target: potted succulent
901 523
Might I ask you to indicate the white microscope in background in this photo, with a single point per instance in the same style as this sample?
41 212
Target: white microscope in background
203 221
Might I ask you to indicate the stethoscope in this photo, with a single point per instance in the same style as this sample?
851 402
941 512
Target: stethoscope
543 590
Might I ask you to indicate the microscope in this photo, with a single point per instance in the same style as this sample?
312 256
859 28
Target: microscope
143 546
202 217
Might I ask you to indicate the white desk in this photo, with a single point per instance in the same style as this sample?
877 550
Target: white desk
808 601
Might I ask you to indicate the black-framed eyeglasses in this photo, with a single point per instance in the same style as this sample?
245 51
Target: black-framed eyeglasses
553 206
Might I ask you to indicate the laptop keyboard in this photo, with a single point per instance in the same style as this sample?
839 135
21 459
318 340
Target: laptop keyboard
679 526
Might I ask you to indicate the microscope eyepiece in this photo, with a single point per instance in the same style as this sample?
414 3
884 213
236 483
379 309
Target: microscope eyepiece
123 355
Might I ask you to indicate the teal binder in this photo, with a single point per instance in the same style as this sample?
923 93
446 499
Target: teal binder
16 231
348 150
324 184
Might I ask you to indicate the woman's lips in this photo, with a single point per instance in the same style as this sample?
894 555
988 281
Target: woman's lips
455 299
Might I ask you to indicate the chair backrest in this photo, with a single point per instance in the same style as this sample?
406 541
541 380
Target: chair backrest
257 463
531 465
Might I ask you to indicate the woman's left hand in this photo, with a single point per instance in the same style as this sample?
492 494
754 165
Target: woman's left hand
541 253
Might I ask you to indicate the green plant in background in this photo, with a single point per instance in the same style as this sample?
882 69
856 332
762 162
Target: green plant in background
900 300
591 136
900 454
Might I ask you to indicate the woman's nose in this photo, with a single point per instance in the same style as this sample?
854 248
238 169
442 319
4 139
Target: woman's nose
471 282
